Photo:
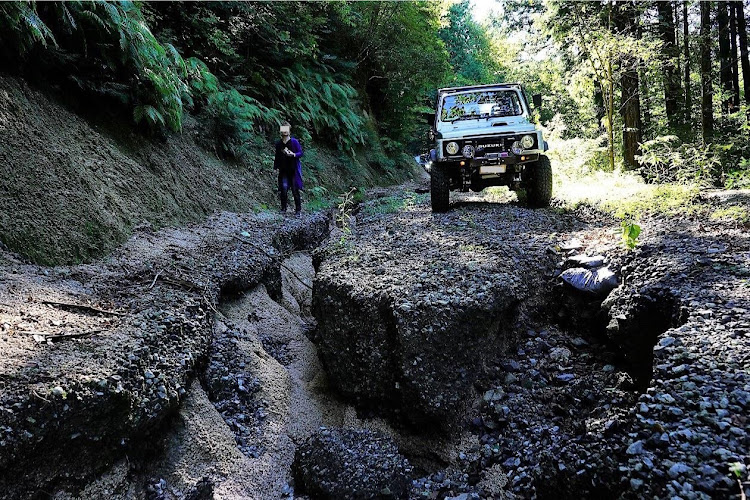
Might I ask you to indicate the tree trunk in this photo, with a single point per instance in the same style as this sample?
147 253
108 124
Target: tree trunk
707 111
742 31
686 46
631 114
669 54
610 100
644 95
725 75
645 101
630 105
734 57
599 102
677 59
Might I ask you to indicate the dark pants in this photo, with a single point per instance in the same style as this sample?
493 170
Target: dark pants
286 182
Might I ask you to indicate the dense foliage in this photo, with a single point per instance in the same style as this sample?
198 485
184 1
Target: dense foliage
105 48
662 85
475 55
333 69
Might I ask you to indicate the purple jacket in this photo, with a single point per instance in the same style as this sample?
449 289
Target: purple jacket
280 158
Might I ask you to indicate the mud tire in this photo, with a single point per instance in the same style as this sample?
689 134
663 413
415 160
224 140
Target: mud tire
439 189
539 188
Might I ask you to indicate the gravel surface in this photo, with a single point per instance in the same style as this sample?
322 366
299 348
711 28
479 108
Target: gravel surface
643 395
693 420
412 305
348 464
475 370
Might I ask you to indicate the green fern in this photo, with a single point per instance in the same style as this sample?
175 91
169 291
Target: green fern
321 104
150 113
67 16
22 19
95 19
235 118
159 84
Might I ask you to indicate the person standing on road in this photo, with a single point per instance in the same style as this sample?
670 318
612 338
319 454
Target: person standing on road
286 161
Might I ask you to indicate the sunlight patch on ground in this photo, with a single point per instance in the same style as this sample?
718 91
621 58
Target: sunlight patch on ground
579 180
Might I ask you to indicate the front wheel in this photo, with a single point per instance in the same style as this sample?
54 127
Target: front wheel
439 188
539 188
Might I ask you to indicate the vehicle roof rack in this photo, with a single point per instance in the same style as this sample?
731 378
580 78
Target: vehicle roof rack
471 87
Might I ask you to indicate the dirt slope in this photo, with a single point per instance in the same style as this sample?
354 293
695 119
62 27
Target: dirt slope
71 188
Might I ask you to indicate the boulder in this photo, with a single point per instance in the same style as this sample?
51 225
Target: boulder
413 309
418 362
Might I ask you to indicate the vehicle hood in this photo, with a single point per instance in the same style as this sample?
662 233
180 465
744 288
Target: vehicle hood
482 126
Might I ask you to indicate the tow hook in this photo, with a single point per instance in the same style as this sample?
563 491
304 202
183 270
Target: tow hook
517 180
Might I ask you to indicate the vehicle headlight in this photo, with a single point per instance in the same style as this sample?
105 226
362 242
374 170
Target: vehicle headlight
517 148
468 151
452 148
527 141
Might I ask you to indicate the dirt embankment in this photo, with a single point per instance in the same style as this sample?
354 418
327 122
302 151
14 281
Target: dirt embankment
95 359
73 188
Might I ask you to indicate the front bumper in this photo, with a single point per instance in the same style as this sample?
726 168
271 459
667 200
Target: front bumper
502 159
499 148
514 163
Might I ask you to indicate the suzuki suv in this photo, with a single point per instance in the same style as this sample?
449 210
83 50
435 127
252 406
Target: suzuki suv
483 137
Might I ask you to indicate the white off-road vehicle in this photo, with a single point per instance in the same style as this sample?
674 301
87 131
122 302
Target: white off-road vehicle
483 137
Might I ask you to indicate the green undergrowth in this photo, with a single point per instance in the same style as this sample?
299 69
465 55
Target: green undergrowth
737 213
580 180
328 173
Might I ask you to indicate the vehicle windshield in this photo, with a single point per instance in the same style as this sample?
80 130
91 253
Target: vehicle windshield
486 104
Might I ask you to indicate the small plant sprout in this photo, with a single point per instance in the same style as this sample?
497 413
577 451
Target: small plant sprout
737 469
344 214
630 233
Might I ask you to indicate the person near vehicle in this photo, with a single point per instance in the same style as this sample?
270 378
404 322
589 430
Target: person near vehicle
286 161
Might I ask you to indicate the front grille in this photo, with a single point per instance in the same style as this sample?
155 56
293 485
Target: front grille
488 145
494 145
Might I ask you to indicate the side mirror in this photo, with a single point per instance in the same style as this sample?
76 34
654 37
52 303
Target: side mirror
429 118
537 99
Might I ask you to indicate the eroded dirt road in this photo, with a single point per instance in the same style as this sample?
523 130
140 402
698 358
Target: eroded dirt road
229 359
